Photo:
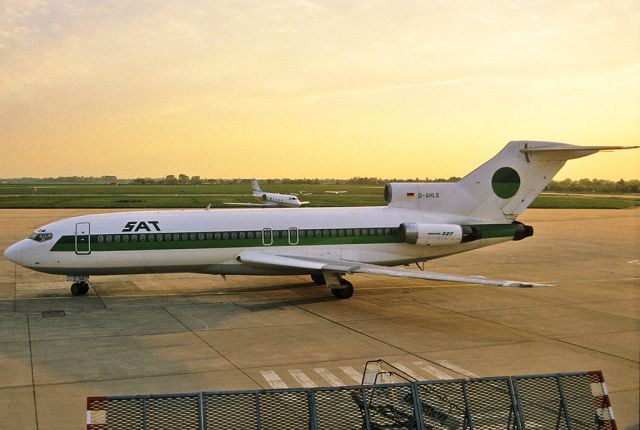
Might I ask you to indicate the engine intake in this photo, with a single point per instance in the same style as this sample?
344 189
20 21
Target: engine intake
437 234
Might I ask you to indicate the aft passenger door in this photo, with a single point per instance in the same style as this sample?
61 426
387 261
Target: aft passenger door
83 238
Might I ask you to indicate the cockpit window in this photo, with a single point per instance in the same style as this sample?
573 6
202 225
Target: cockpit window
40 236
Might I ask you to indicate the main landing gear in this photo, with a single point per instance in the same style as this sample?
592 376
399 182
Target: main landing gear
340 287
80 285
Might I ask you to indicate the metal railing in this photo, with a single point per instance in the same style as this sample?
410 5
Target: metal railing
569 401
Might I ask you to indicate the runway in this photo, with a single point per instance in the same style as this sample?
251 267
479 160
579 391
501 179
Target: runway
186 333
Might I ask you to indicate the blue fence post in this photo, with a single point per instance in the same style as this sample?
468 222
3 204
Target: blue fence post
202 412
144 413
563 403
313 418
515 404
467 406
417 405
258 417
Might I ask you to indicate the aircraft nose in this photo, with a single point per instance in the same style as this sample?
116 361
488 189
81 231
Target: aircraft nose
14 253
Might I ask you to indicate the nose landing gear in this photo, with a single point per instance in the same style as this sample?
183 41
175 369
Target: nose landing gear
79 288
80 285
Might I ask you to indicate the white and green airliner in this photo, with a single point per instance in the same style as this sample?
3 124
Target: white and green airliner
422 221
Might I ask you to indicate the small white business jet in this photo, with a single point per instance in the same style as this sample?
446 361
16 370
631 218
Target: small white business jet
335 192
270 200
422 221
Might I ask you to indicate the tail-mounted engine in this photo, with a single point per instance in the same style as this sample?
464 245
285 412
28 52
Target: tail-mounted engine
437 234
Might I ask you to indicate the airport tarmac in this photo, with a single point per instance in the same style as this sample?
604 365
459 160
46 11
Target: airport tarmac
187 332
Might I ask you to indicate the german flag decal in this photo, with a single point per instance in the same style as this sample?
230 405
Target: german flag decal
411 195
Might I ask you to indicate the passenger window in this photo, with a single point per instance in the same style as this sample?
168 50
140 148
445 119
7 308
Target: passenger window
276 234
150 237
200 236
143 238
301 233
334 233
134 238
167 236
349 232
209 236
341 232
125 238
387 231
109 238
234 235
380 231
242 235
192 236
116 238
325 233
217 236
159 237
249 235
100 238
225 235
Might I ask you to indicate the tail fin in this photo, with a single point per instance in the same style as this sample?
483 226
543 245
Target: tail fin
255 186
502 188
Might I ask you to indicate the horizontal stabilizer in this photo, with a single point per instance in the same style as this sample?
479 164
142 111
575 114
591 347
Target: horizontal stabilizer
575 148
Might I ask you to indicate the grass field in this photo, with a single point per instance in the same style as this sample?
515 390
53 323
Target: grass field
194 196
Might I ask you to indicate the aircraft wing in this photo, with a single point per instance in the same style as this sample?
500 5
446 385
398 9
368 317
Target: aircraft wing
349 267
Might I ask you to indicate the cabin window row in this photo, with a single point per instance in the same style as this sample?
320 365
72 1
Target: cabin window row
235 235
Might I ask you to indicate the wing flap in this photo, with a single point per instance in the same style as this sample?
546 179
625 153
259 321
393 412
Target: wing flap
342 266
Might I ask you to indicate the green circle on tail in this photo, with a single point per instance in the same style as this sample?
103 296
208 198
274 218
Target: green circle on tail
505 182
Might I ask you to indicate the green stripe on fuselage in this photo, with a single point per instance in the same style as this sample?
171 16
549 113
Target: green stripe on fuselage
117 242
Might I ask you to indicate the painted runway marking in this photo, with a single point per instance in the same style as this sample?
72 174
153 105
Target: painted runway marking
302 379
408 371
329 377
352 373
273 379
432 370
633 261
456 368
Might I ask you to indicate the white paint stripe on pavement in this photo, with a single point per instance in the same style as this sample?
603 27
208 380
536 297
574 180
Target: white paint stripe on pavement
408 371
456 368
329 377
352 373
432 370
302 379
273 379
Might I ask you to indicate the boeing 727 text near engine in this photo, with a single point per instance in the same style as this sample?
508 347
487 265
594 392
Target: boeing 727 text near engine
422 221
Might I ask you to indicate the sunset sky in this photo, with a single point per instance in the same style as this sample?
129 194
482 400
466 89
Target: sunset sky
315 89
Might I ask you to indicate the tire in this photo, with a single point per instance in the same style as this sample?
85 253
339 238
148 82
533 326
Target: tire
76 289
318 278
345 292
85 288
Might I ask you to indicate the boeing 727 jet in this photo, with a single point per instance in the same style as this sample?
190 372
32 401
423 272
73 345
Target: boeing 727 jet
270 200
421 222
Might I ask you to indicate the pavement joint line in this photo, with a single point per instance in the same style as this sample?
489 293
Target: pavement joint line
373 338
212 348
99 296
129 378
33 380
546 337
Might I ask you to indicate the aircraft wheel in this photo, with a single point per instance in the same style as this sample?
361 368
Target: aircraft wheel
345 292
79 288
318 278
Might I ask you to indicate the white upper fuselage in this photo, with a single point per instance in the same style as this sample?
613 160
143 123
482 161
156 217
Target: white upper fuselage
209 241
